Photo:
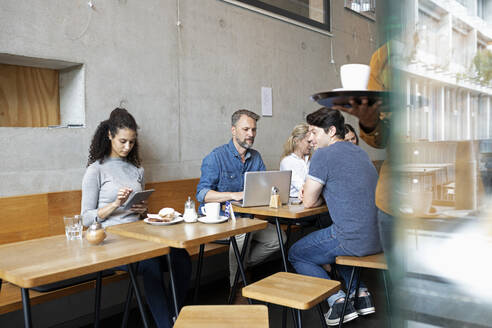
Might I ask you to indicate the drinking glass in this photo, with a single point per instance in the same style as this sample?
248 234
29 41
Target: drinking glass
73 227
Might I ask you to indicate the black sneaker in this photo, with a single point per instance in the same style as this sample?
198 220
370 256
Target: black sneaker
333 315
364 305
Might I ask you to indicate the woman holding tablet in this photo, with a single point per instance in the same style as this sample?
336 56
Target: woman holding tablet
113 173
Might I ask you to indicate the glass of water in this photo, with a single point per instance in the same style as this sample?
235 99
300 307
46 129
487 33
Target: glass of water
73 227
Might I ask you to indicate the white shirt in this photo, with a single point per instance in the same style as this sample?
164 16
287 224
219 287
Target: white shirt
300 169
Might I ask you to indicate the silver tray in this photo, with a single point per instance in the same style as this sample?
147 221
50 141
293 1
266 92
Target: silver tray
342 97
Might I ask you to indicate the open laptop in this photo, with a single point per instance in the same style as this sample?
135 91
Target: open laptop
258 187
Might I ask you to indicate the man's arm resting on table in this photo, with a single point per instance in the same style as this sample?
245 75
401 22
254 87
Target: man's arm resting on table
220 197
311 193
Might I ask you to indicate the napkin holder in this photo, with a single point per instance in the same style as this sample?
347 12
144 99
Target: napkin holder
275 198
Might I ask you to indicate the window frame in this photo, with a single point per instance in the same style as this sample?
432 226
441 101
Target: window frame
287 16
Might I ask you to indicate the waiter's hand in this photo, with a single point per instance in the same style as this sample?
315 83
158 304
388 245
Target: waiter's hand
368 115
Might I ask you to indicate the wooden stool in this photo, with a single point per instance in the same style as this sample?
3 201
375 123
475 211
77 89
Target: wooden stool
294 291
223 316
376 261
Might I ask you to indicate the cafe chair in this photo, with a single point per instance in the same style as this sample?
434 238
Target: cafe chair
376 261
223 316
293 291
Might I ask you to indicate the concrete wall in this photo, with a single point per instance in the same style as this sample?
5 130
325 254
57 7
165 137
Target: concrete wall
181 83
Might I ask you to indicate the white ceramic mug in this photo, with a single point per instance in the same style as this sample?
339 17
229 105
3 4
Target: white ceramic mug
211 210
354 76
420 201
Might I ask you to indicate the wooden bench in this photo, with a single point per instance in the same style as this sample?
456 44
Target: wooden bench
41 215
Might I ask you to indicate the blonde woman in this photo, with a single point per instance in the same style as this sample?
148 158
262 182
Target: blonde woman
296 156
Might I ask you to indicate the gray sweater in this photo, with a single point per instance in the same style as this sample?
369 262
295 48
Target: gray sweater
101 184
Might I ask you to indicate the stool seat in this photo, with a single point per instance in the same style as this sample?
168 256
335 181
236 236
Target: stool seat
291 290
376 261
223 316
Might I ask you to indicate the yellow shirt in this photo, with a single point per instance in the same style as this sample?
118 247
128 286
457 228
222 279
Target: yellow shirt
379 80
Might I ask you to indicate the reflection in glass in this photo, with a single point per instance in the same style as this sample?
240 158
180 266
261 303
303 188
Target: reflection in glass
441 163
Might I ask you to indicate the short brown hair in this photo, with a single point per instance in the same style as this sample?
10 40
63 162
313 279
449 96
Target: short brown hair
325 118
237 115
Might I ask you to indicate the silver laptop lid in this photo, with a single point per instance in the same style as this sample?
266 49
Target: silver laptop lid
258 187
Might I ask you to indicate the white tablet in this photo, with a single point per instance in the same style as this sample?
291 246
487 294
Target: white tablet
137 197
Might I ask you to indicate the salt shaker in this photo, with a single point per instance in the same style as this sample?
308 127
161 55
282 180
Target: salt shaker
95 234
190 215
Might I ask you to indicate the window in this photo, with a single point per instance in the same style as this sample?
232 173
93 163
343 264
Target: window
364 7
306 13
38 92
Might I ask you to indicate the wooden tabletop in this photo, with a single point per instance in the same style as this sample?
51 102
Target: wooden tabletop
286 211
292 290
223 316
376 261
182 235
45 260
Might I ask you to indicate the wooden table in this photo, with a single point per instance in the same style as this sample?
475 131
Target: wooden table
223 316
291 212
46 260
184 235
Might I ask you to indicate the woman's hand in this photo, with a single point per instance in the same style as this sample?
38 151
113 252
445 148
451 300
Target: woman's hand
122 196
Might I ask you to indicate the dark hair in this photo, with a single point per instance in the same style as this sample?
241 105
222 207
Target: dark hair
325 118
350 128
237 115
101 145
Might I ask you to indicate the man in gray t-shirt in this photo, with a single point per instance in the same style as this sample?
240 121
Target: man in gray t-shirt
342 175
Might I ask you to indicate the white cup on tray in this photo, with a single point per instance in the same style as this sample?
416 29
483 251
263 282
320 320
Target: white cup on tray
354 76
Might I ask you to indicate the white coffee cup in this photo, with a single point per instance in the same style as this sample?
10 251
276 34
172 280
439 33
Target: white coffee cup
354 76
211 210
420 201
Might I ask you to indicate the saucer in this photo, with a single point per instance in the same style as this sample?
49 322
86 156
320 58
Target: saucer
457 213
220 219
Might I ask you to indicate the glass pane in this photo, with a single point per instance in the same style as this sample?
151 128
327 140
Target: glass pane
312 9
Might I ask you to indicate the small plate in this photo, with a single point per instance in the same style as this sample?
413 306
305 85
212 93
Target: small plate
176 219
457 213
205 219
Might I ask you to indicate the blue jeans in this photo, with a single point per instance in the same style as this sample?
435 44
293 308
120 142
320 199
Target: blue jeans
320 247
154 286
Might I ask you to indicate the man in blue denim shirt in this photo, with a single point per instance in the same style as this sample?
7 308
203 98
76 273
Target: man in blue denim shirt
222 180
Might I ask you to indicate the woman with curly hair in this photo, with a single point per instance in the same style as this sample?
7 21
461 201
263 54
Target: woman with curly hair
113 173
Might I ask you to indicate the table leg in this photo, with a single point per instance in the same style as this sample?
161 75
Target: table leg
354 269
198 273
287 232
236 277
239 263
97 305
129 295
321 315
173 285
281 244
133 278
26 305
